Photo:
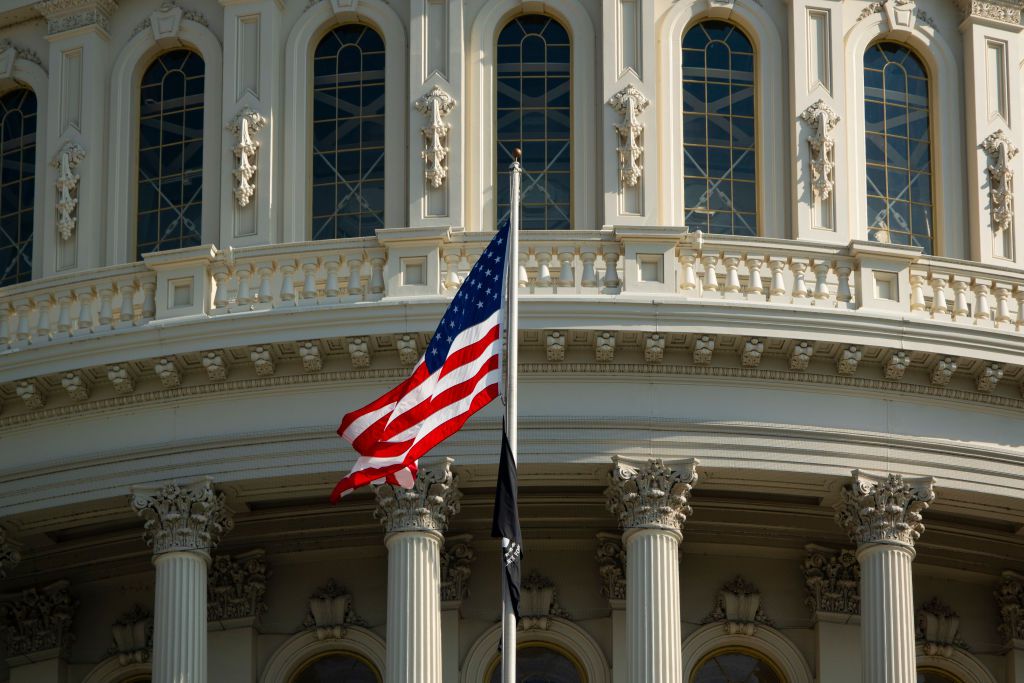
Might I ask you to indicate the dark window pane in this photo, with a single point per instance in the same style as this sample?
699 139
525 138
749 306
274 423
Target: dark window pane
735 667
17 192
338 667
540 664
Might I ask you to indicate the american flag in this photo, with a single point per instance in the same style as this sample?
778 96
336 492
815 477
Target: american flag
458 375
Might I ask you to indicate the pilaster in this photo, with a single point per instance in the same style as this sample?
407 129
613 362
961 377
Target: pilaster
628 119
992 42
252 114
235 598
414 520
832 578
1009 595
882 514
36 629
77 116
650 501
611 565
183 523
456 567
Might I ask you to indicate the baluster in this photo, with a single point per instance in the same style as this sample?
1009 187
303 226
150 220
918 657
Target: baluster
777 265
355 275
331 286
565 273
917 292
44 304
244 275
543 268
5 324
524 256
288 280
843 291
589 255
981 306
106 292
1003 302
754 284
23 306
1019 296
710 274
265 270
939 305
309 269
821 290
732 273
377 275
220 293
611 268
148 299
689 279
799 267
126 288
85 296
451 258
960 307
64 313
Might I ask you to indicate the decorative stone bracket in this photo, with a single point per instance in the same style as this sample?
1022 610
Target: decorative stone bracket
939 628
1000 150
822 120
630 103
244 126
330 612
738 605
71 154
538 602
435 105
133 636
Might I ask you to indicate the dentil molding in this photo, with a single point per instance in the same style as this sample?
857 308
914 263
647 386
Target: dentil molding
884 508
426 506
651 495
189 517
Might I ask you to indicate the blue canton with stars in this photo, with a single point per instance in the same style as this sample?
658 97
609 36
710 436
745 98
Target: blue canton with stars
477 299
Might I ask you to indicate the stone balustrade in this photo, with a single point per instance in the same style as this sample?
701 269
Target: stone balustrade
411 264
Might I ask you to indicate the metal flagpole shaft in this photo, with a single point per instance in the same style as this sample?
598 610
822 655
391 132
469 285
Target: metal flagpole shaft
508 617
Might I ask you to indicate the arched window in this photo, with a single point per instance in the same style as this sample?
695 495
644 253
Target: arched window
735 665
170 198
534 113
541 663
719 155
348 133
17 184
935 676
897 147
345 667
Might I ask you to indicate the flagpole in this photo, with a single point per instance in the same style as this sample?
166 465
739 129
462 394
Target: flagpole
508 617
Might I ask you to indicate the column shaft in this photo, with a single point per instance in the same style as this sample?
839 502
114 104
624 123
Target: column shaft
887 613
652 605
179 619
414 607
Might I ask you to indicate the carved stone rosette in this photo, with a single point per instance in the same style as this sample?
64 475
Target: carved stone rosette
653 495
1009 597
611 565
435 105
237 586
884 508
244 126
1000 150
426 506
456 567
38 620
9 555
833 581
630 103
66 161
190 517
822 119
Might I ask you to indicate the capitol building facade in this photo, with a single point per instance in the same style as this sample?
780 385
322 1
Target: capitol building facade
771 377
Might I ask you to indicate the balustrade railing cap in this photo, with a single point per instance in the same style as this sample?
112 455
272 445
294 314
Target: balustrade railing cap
647 233
413 236
895 252
175 258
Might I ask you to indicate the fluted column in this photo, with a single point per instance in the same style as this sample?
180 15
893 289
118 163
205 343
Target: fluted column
650 501
183 524
415 520
883 516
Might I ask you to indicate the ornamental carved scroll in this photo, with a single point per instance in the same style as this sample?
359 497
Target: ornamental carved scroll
822 120
244 126
435 105
1000 150
66 161
630 103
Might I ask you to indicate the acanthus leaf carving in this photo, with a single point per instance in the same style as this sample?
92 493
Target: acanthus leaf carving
425 506
244 126
1009 597
1006 12
1000 150
538 602
884 508
456 567
651 495
188 518
71 154
832 579
630 103
738 605
435 105
611 565
237 586
38 620
68 15
823 120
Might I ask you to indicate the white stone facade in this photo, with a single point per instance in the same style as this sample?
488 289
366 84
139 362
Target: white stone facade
727 443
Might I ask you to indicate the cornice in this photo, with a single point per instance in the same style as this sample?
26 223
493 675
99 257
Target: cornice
67 15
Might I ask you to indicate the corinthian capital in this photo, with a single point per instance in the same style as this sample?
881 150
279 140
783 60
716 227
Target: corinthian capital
190 517
652 495
884 508
426 506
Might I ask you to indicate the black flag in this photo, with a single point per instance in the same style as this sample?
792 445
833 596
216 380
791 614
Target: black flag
506 520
